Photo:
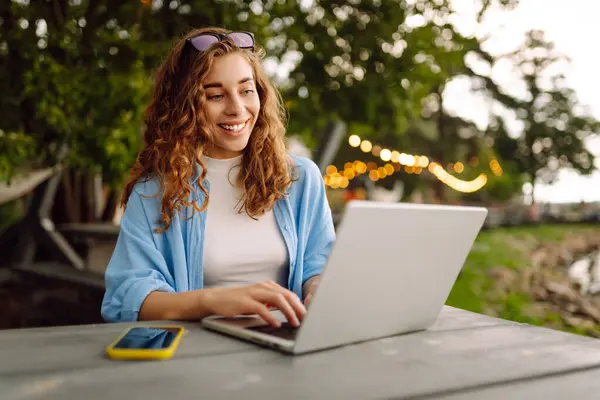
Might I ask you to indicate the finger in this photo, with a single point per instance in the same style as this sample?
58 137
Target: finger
263 312
294 300
296 303
281 302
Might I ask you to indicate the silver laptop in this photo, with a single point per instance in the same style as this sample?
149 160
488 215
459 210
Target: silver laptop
389 272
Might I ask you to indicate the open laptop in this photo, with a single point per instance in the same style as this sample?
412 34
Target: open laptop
389 272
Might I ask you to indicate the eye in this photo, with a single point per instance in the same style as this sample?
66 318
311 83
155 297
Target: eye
248 91
215 97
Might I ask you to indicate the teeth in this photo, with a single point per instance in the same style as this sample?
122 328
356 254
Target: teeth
234 128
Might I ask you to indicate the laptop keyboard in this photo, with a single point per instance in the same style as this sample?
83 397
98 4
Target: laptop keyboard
286 331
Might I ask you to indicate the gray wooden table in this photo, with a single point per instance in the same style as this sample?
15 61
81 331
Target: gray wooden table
463 356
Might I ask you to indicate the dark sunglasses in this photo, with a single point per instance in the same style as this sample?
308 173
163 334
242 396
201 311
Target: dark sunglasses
243 40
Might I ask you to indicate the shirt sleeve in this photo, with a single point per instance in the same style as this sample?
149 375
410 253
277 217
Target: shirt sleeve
320 229
136 267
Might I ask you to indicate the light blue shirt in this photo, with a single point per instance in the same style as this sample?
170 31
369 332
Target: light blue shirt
145 261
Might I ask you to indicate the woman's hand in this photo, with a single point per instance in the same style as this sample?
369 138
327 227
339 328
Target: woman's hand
310 288
255 299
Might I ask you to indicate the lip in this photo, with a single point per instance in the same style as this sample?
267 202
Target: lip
234 122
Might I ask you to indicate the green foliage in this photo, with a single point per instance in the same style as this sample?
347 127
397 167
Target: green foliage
366 64
80 72
504 187
11 212
87 65
72 79
555 125
16 149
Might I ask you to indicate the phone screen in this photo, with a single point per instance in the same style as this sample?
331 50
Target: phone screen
147 338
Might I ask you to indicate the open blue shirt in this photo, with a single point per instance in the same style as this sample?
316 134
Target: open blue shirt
145 261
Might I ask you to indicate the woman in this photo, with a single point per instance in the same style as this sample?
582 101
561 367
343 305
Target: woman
219 219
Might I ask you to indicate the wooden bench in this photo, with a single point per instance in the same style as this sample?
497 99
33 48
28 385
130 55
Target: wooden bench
462 356
37 234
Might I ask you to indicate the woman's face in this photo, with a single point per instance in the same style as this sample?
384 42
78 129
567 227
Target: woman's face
232 105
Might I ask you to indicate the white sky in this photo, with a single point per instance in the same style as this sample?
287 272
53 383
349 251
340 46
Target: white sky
572 27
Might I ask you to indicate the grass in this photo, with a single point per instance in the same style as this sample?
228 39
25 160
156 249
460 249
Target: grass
508 248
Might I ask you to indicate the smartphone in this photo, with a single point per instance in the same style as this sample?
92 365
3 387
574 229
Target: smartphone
146 343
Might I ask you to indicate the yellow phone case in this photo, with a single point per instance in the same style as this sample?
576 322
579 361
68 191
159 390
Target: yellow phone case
145 354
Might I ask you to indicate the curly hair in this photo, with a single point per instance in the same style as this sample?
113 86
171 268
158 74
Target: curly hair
176 134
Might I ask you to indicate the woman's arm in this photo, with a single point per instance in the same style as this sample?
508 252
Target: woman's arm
310 286
319 227
227 302
136 267
175 306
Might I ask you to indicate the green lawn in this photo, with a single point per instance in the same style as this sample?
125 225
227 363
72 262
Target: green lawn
507 248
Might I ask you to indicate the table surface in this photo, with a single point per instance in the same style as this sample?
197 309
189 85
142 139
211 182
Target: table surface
462 356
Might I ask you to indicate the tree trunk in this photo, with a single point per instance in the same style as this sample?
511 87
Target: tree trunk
532 180
74 201
113 198
438 190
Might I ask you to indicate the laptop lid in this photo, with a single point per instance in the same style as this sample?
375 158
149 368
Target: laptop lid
390 271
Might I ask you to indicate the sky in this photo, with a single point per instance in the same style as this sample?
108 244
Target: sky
571 26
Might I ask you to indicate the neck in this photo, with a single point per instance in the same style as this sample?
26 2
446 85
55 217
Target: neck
222 163
220 154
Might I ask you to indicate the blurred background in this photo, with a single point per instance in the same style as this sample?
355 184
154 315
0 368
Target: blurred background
478 102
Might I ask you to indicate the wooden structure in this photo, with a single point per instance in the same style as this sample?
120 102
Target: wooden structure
463 356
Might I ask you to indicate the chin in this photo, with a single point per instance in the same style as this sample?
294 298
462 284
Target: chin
239 148
231 148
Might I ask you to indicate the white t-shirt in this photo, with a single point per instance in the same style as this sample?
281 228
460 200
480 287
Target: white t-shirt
238 250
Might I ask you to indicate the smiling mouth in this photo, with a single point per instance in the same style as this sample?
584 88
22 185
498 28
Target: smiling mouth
234 128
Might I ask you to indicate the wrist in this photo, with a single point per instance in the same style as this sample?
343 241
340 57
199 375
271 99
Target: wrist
204 301
192 305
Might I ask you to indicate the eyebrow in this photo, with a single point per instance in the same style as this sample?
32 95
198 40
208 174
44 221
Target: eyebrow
218 84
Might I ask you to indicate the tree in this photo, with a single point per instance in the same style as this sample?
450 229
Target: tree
554 124
79 72
73 79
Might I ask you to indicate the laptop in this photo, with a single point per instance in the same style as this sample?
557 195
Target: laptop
389 272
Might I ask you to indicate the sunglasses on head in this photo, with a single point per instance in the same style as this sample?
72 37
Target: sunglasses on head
243 40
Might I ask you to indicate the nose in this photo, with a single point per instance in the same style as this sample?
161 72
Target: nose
234 106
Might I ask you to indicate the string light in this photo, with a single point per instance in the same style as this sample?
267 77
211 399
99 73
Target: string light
409 163
340 179
366 146
495 167
354 141
457 184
